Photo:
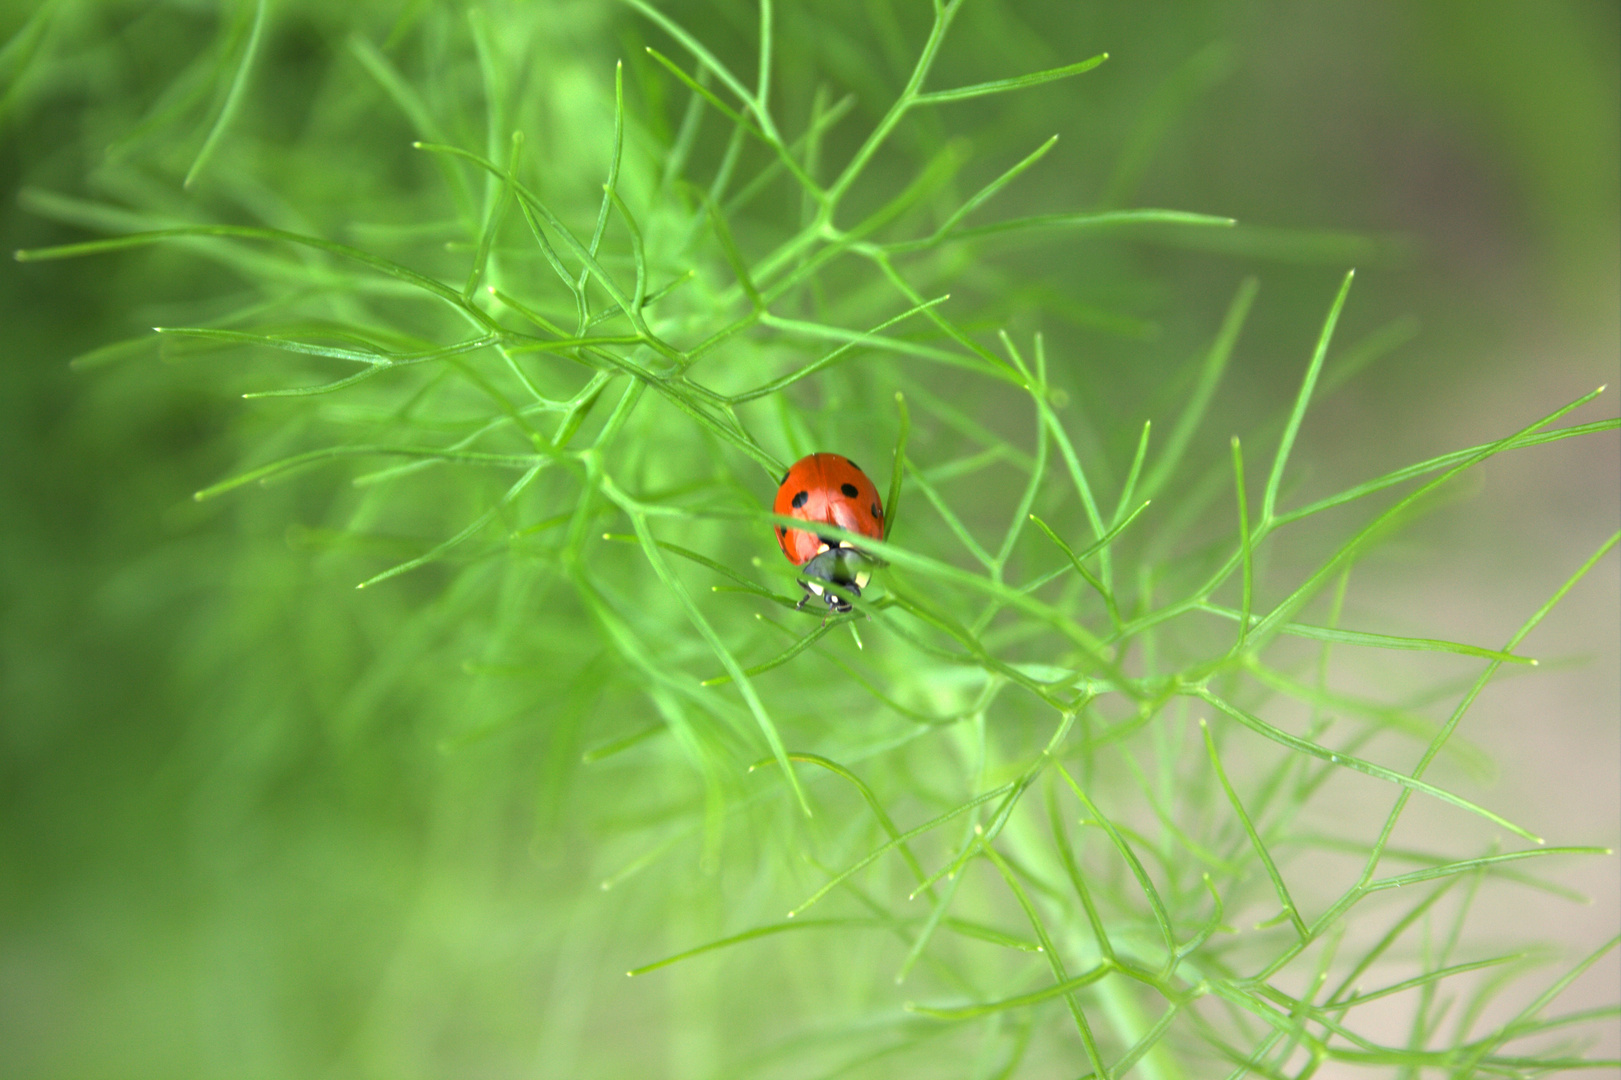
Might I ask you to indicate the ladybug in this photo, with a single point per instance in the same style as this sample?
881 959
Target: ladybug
827 489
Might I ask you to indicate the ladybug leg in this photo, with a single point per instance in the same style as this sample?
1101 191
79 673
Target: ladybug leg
837 603
810 593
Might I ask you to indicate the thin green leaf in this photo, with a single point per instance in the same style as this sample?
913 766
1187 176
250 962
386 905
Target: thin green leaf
19 51
852 339
1076 560
1054 960
867 795
1215 363
991 934
472 457
439 550
762 131
112 352
1296 415
1148 1042
943 16
1525 438
619 745
700 53
903 430
756 707
949 516
1093 219
1129 488
1256 842
1294 600
638 256
572 242
498 213
233 96
1514 1028
1376 641
873 855
610 188
1430 873
1018 82
1347 761
781 658
979 198
377 357
1161 916
760 932
319 388
1035 997
246 232
1246 556
1429 978
734 257
652 298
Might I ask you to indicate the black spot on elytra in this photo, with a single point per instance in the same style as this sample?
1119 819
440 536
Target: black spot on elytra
850 490
781 531
799 499
877 511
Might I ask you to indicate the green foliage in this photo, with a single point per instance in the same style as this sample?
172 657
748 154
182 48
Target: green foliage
1095 797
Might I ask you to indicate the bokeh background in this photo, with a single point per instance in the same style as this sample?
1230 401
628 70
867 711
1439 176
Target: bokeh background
240 832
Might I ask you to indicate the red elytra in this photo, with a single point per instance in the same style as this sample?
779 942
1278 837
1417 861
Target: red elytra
828 489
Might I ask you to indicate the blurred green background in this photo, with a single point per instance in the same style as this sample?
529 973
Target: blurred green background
238 833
